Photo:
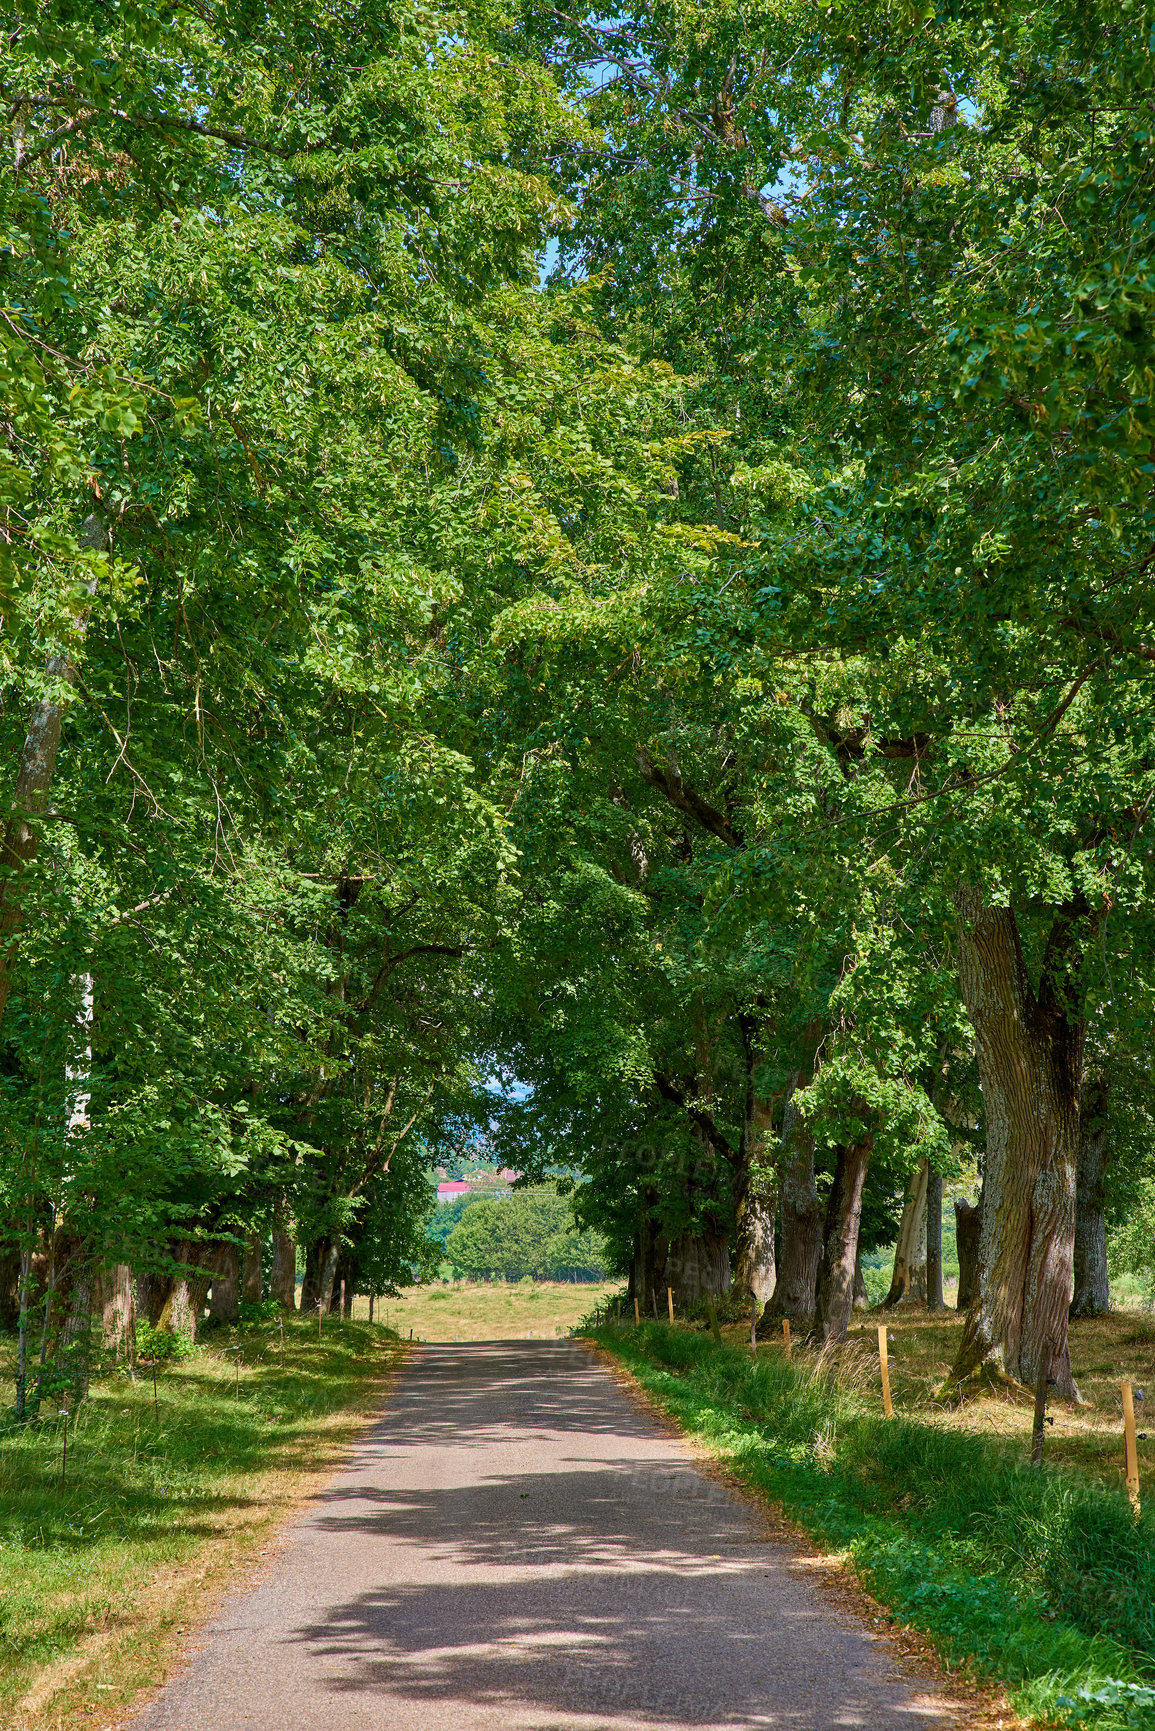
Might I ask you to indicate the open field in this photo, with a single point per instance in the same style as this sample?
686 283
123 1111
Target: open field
475 1310
100 1577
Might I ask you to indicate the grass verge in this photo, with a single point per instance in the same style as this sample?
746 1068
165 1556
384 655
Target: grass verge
160 1505
1039 1579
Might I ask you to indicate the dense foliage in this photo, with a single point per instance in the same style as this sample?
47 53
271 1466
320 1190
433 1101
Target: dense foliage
707 690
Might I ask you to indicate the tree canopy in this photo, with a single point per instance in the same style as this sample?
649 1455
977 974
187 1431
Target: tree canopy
604 555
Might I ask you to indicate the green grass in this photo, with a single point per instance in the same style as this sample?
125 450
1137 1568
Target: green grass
497 1310
1041 1580
95 1575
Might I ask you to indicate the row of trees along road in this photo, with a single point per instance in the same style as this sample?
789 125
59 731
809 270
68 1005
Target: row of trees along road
712 688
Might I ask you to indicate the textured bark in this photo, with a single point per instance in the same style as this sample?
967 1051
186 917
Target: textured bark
311 1282
346 1274
152 1291
117 1312
284 1270
697 1263
968 1225
328 1273
801 1249
226 1282
934 1299
1030 1057
755 1206
181 1311
840 1241
908 1281
861 1296
649 1256
1091 1296
34 774
251 1272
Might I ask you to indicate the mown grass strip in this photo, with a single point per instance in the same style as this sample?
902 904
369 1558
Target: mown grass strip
96 1578
1037 1579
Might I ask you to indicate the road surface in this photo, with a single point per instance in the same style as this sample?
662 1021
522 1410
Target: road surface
518 1546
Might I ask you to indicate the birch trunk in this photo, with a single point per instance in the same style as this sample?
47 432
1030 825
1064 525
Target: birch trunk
1030 1057
840 1247
34 774
1091 1295
908 1281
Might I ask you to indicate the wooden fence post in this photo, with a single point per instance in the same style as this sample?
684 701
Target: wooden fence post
786 1334
670 1302
884 1364
1130 1445
637 1313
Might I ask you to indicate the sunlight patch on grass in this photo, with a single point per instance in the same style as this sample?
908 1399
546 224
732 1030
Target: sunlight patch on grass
101 1576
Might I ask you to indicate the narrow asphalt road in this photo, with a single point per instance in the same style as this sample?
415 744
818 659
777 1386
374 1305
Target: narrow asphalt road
516 1545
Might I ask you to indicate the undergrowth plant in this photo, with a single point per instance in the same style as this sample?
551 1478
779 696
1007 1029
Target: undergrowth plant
1034 1578
149 1485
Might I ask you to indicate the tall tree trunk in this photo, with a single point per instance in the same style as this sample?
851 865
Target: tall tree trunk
37 766
226 1279
311 1284
1091 1295
968 1226
908 1281
346 1271
152 1292
755 1205
1030 1057
328 1273
697 1264
181 1311
284 1270
934 1241
116 1307
801 1253
840 1241
251 1275
649 1254
861 1296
